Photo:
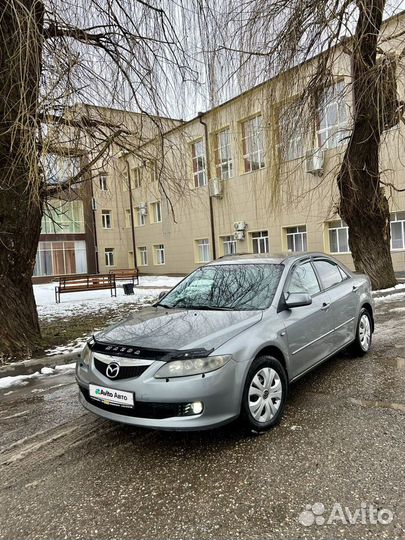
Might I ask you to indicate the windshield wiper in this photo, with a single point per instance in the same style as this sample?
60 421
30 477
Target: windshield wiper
163 305
208 308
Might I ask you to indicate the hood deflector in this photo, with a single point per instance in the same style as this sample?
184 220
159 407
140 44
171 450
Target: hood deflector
146 353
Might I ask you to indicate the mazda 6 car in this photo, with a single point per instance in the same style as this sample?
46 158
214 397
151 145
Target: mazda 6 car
226 343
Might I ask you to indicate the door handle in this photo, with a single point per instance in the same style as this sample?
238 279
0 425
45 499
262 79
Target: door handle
325 306
355 287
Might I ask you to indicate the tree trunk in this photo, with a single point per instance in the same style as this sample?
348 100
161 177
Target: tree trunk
20 204
363 204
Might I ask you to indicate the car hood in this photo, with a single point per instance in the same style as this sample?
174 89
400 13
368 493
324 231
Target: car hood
177 329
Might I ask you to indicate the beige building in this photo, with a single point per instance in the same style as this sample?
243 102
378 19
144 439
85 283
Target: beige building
247 176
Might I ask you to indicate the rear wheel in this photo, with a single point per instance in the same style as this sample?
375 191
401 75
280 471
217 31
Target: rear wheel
264 394
362 342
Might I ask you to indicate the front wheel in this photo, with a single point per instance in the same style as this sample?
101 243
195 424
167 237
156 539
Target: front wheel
264 394
362 342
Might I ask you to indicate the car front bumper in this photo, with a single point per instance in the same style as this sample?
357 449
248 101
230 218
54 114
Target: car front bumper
160 403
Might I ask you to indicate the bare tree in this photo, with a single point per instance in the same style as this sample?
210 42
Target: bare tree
303 44
55 54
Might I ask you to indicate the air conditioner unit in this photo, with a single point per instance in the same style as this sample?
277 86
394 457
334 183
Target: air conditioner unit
93 204
314 162
143 209
240 225
216 187
240 228
239 235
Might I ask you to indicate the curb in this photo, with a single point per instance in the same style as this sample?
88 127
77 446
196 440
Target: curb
27 367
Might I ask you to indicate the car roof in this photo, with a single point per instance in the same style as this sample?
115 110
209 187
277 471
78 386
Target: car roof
266 258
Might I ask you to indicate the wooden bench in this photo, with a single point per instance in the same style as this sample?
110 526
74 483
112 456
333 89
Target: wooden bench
128 274
85 282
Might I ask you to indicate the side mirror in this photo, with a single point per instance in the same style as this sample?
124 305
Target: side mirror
162 294
297 300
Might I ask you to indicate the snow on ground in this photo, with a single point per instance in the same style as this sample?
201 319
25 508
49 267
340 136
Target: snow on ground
87 302
400 287
22 380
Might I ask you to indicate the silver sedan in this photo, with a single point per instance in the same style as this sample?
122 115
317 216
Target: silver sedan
226 343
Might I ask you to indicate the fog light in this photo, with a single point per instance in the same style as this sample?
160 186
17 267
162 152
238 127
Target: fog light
197 407
189 409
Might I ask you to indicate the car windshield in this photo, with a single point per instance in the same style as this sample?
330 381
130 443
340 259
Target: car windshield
240 287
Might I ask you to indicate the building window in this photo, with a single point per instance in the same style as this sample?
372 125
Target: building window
159 252
202 250
109 256
291 133
63 217
333 117
156 212
199 166
296 238
106 219
143 256
59 169
338 237
252 144
103 182
153 170
228 245
127 218
260 242
397 230
137 177
141 216
56 258
223 156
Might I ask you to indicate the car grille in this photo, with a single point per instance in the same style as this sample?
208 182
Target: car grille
125 372
142 409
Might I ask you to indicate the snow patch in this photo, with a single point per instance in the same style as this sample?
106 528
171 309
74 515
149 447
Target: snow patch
17 380
88 302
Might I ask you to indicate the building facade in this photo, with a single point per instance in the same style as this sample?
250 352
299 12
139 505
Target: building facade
249 176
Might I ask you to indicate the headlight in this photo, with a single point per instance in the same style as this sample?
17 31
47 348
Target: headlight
86 355
192 366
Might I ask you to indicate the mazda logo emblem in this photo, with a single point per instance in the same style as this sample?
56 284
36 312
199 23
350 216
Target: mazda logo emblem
112 370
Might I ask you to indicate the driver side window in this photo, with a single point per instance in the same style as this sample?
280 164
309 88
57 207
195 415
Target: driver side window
304 280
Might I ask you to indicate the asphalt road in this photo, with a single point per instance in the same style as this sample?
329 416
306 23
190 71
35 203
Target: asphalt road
67 474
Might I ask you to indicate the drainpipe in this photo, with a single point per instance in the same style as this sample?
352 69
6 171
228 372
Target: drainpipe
131 211
93 213
207 158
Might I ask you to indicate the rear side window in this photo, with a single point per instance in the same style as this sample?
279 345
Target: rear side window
304 280
329 273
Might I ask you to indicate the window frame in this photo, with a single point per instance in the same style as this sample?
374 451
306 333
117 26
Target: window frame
342 227
220 163
137 175
154 213
200 248
103 181
251 233
256 138
142 250
159 248
331 130
196 170
302 234
105 213
224 242
396 220
109 251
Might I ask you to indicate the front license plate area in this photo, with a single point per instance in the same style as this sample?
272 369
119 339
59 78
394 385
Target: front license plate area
111 396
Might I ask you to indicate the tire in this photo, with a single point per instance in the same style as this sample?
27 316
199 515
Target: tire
362 342
266 381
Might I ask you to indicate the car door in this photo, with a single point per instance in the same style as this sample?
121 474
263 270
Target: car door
344 299
309 329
